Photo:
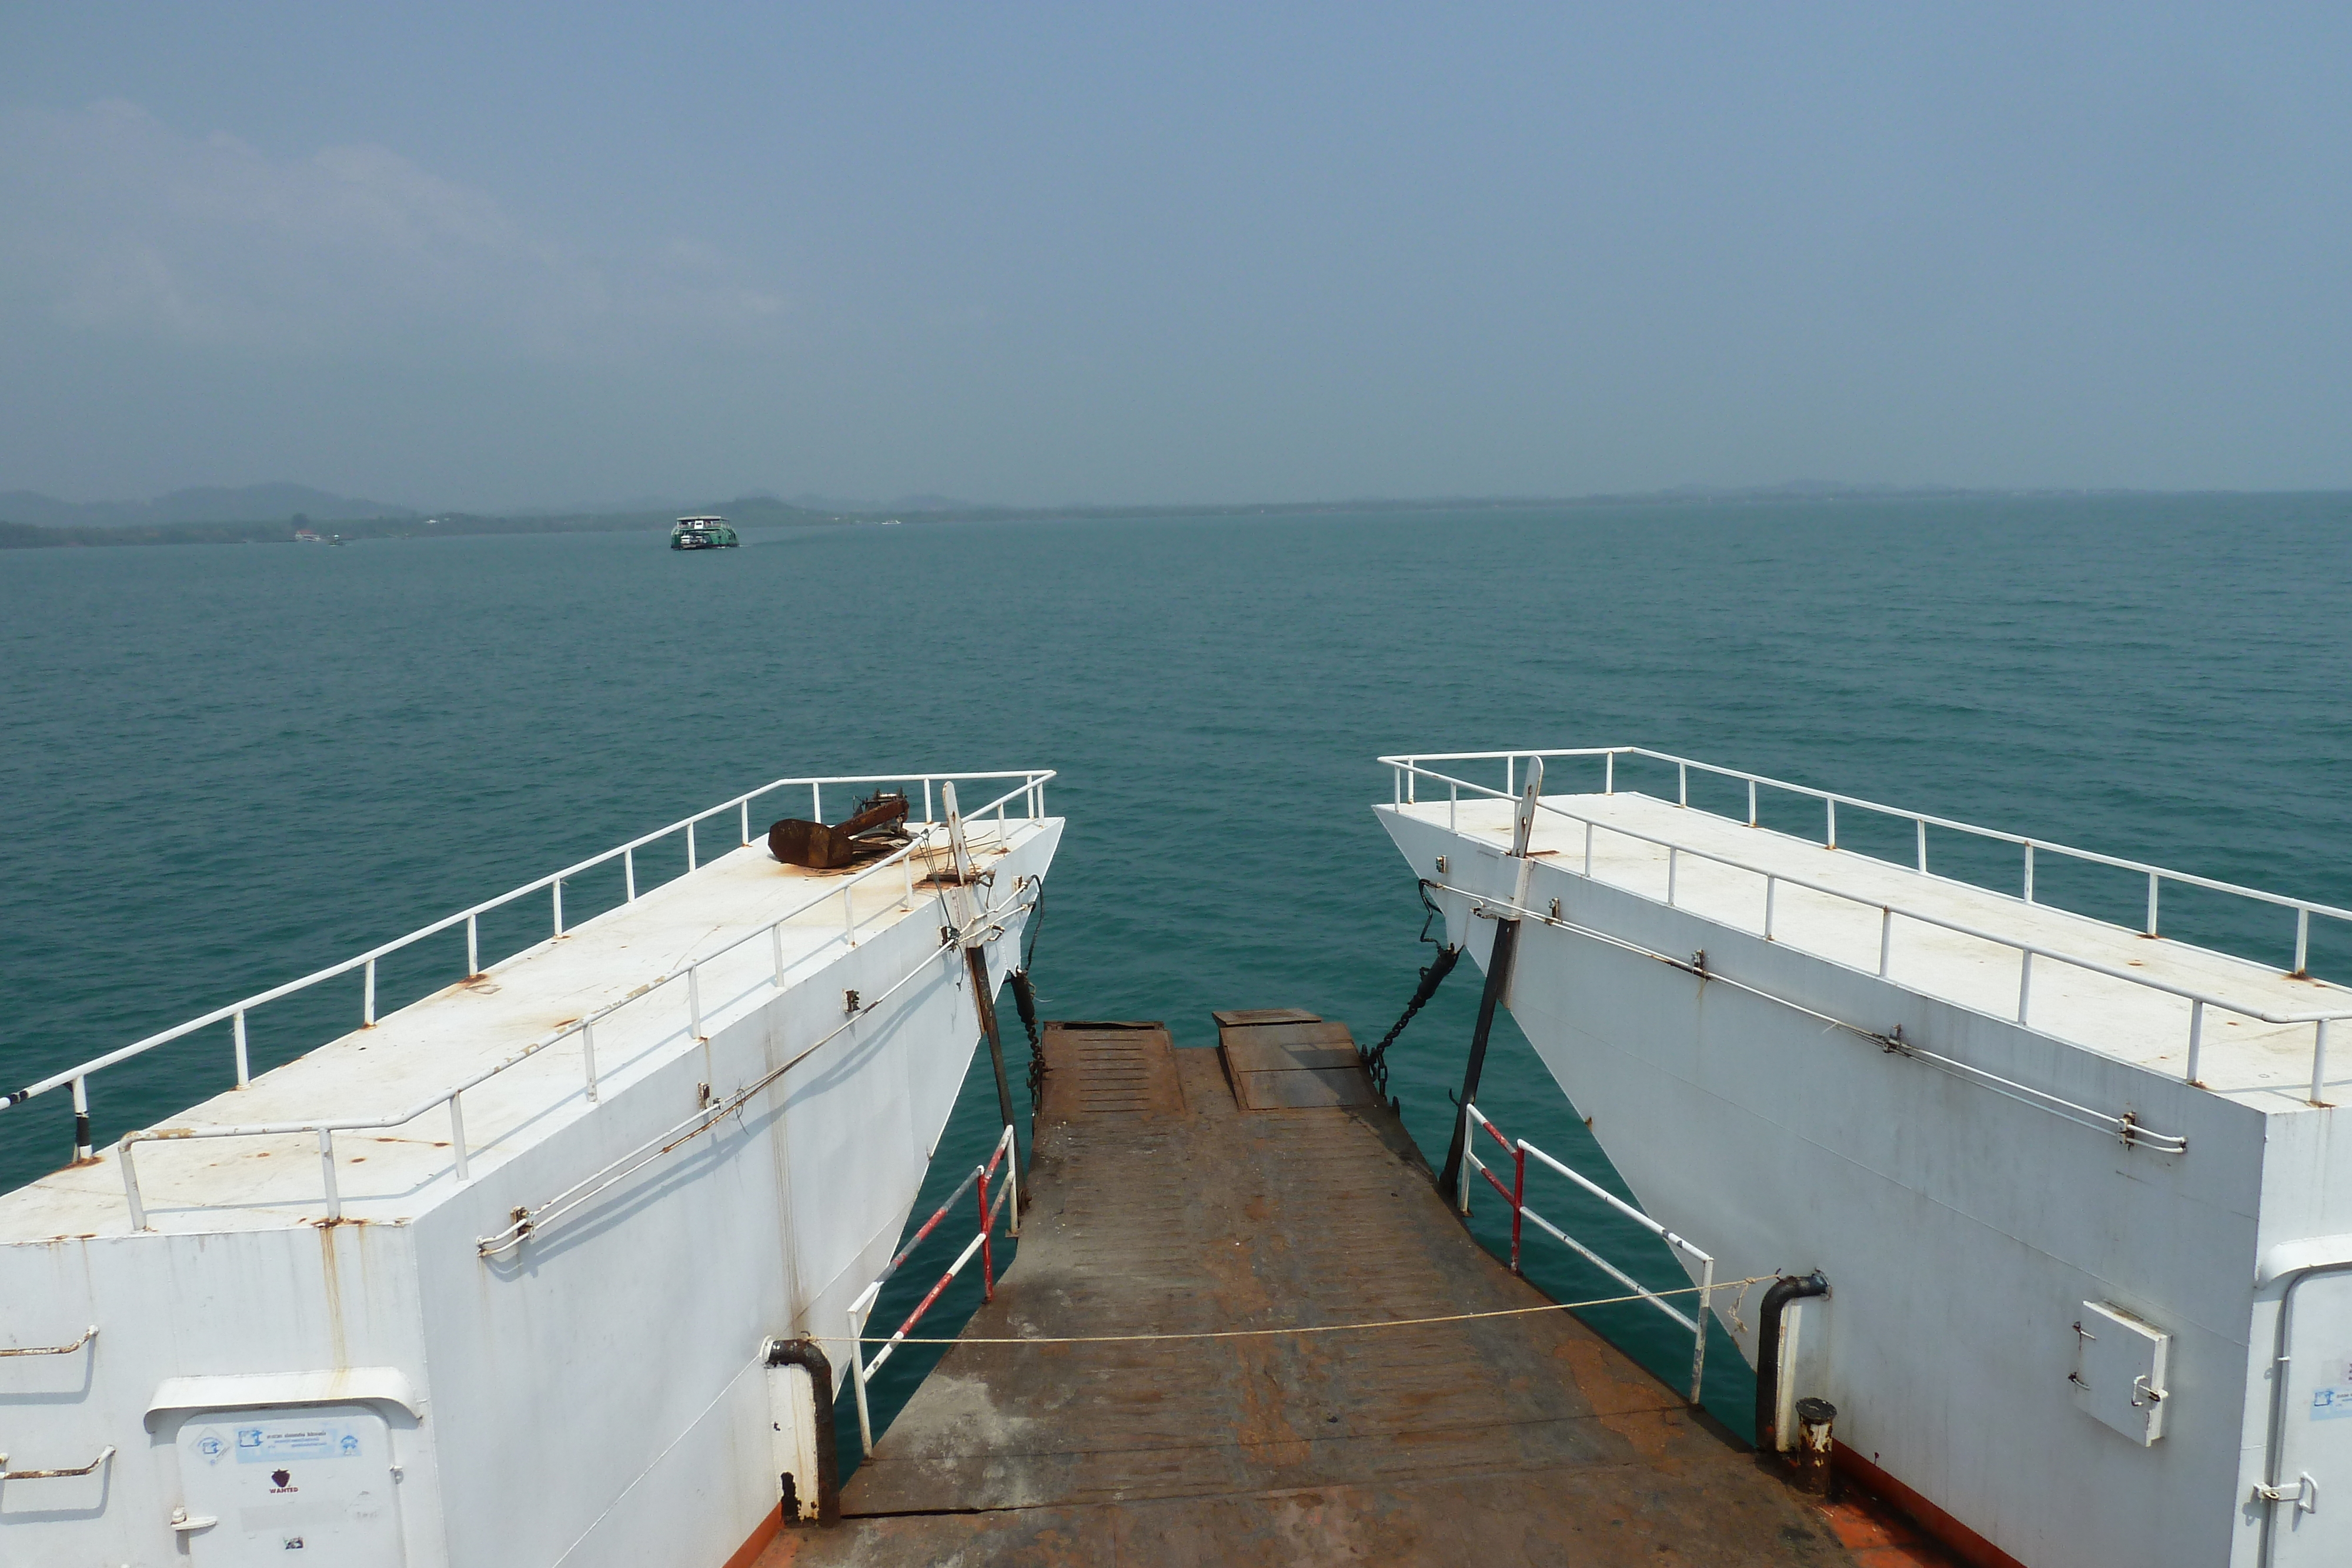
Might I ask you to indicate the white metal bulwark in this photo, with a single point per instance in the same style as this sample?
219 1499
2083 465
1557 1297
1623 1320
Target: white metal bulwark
2038 1151
479 1206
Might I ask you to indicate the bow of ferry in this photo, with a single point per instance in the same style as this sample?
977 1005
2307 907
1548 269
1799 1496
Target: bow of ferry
2066 1233
495 1277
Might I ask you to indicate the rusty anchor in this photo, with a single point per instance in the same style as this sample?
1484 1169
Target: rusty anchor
878 822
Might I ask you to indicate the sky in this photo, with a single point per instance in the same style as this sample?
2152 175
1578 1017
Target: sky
513 256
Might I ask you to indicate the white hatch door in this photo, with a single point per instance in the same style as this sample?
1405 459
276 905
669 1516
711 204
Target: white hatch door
303 1484
2314 1529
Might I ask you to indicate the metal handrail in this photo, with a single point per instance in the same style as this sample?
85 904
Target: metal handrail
2305 908
1888 910
1032 787
8 1475
1515 1196
1008 1197
584 1026
986 926
88 1334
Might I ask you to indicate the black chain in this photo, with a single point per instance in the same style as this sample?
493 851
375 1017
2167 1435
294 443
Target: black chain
1431 977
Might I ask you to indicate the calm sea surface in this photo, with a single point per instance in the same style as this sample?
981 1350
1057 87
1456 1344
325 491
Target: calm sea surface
222 766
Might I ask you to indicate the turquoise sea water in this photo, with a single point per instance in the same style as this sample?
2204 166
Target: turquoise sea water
222 766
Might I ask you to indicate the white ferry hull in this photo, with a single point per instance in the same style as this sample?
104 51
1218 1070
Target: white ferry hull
591 1397
1962 1230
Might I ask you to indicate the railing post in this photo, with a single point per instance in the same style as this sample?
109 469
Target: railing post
746 807
244 1065
1588 847
987 1250
473 945
1518 1199
629 875
816 802
457 1137
1833 819
557 888
926 802
588 1057
81 1119
1511 774
1608 774
2318 1061
2024 982
858 1372
1682 783
1411 779
1452 806
2151 902
1772 888
131 1189
1923 842
2029 873
1012 1183
2196 1036
327 1165
776 941
1698 1344
1751 802
689 845
694 1000
367 1003
2302 942
1674 864
1885 939
849 918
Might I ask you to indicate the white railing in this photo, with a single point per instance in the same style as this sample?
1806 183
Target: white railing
1515 1196
1408 772
1030 792
1008 1197
987 925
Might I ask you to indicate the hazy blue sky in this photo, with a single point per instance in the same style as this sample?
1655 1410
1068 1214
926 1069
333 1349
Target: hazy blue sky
492 256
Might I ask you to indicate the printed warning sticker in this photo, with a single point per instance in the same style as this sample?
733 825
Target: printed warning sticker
278 1442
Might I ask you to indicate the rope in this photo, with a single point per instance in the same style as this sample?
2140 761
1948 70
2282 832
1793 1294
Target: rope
1312 1328
1432 974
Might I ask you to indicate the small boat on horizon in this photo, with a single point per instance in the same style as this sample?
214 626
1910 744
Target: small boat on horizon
703 533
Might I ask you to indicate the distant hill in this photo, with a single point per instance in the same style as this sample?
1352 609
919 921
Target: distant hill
206 503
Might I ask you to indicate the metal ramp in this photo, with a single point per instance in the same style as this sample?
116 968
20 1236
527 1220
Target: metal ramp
1175 1193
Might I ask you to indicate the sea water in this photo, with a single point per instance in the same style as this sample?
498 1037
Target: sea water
222 766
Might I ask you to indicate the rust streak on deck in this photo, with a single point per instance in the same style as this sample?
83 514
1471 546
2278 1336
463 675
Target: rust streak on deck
1162 1204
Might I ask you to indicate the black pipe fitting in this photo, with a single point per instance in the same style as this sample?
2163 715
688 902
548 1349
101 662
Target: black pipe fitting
1788 1288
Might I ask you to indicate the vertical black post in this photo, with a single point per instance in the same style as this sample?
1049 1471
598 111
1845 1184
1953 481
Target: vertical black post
1498 980
976 959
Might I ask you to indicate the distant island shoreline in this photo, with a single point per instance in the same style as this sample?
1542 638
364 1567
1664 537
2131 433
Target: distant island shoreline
763 512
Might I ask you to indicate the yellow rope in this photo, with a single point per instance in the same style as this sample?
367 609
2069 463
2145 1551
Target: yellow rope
1258 1334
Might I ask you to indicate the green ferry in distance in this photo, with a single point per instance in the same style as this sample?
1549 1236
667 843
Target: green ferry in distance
702 533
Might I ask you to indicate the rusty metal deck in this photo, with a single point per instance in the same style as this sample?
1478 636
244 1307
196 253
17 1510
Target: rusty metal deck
1161 1205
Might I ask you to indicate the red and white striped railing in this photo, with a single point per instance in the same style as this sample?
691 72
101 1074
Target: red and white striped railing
1008 1198
1519 1151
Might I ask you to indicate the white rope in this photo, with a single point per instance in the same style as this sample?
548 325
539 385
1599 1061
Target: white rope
1302 1329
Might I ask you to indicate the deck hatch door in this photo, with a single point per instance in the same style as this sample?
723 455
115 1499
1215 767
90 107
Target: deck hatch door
289 1485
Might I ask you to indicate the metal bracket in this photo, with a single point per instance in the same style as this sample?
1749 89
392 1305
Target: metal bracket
182 1523
2304 1495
